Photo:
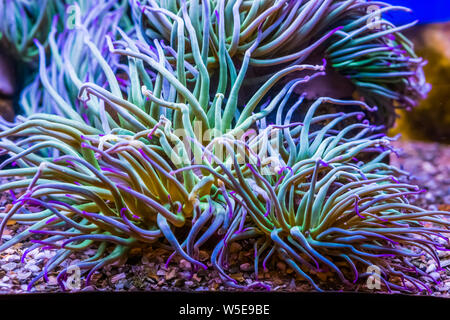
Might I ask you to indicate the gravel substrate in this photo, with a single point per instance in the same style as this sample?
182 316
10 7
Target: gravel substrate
146 270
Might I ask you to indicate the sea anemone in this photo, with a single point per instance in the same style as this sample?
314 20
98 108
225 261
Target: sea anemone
22 21
75 58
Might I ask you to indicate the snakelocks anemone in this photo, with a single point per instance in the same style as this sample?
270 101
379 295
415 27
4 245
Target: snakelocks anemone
356 41
143 131
21 21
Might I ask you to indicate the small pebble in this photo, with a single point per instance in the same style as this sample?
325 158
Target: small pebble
185 265
118 277
46 254
189 283
171 274
120 285
178 282
5 286
88 288
22 275
196 277
431 268
52 281
160 273
445 263
185 275
430 197
435 275
9 251
32 267
12 258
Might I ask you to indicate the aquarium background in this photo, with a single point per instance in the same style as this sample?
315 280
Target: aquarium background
425 11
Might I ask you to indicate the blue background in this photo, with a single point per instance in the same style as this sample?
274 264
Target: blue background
427 11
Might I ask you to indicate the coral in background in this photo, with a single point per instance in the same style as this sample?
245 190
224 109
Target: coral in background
431 119
138 136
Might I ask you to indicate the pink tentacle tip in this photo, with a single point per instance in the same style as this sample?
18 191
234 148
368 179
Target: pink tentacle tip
324 163
217 15
394 179
123 210
166 265
51 220
360 116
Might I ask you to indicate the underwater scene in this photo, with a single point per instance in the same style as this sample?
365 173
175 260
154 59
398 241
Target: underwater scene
225 145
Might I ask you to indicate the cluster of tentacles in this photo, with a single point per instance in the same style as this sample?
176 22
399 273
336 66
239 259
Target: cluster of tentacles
135 133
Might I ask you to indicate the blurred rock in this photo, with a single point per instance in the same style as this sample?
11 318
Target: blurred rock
246 267
6 109
7 88
7 79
